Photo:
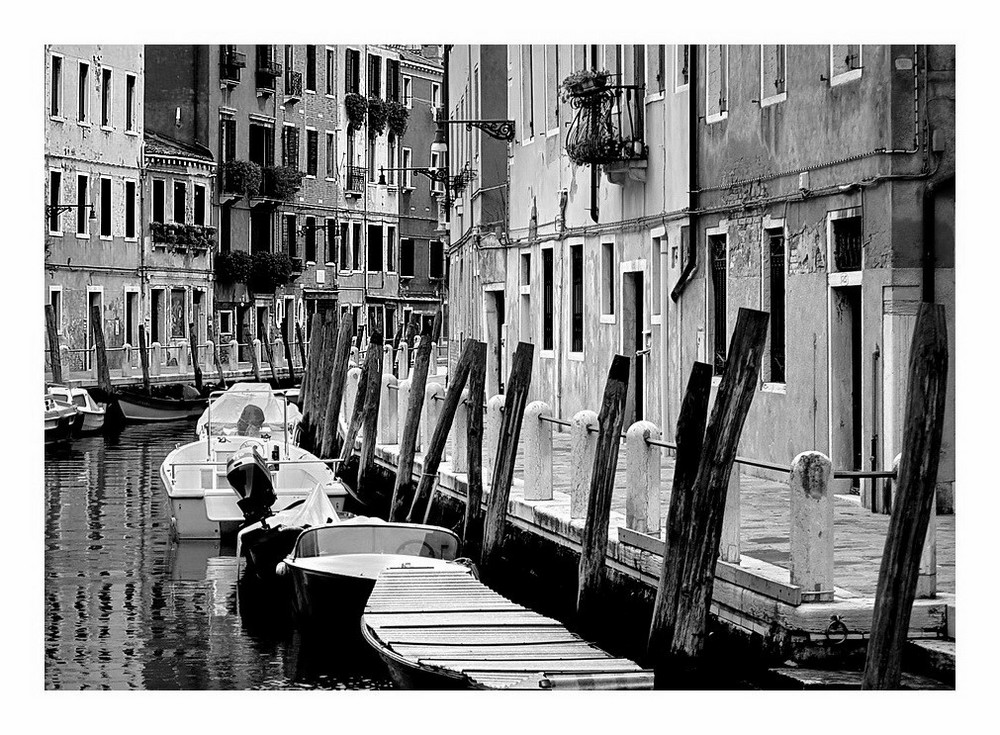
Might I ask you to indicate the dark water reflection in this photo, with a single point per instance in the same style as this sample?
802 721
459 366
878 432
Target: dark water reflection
127 608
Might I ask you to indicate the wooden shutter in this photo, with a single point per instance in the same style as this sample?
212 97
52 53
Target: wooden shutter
349 71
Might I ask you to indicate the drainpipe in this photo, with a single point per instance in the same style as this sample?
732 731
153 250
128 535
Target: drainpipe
691 260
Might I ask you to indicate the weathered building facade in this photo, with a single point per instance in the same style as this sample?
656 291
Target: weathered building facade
93 160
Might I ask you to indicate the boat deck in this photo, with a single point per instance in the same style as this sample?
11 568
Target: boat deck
444 620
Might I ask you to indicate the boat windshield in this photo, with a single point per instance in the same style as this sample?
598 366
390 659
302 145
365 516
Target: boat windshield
378 538
269 412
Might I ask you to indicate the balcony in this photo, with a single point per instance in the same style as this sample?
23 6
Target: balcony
240 178
231 62
355 181
268 70
293 86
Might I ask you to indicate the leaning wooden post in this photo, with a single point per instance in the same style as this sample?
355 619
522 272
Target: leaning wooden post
491 435
518 384
537 452
473 353
288 349
192 331
472 528
338 382
302 349
97 326
583 448
642 478
251 348
269 354
690 437
310 377
321 388
369 372
923 425
55 357
594 544
144 357
403 488
811 533
369 423
703 530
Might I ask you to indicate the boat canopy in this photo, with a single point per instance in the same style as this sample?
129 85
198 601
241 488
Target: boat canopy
228 413
374 537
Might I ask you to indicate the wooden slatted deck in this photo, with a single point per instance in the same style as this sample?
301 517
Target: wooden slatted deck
447 621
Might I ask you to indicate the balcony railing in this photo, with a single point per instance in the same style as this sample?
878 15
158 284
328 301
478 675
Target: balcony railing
356 177
268 71
293 84
231 62
608 126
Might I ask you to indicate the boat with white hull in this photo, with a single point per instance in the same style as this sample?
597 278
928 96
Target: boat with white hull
92 411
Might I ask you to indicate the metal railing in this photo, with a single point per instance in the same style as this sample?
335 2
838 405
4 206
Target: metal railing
356 177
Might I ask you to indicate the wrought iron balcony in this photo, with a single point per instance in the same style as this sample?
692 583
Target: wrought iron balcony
355 180
293 85
231 62
607 129
266 76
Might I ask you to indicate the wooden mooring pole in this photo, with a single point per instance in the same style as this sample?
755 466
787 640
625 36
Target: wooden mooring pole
320 389
248 339
218 362
690 436
472 528
404 487
370 373
302 349
308 394
55 359
594 543
100 350
913 502
372 383
288 349
338 381
699 542
515 400
193 340
269 353
144 358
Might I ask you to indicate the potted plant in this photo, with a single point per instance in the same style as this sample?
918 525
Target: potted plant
357 108
398 116
582 82
232 266
378 116
283 182
242 177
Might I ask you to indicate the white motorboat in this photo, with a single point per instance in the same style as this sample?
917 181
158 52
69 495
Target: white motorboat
281 416
92 411
60 420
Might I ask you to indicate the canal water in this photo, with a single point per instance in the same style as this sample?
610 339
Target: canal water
127 607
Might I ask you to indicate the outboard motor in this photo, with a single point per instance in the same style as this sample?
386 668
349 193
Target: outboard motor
249 476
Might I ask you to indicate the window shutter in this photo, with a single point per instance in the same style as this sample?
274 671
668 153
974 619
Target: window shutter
349 70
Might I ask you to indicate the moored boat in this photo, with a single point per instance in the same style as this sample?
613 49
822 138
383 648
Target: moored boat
60 420
225 409
160 405
91 412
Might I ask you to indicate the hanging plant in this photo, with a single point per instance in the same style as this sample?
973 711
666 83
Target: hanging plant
357 108
242 177
268 271
378 116
594 151
583 82
283 182
232 267
398 117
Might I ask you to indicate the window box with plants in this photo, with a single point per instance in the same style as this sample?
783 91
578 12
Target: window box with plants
282 182
232 267
175 236
356 107
243 178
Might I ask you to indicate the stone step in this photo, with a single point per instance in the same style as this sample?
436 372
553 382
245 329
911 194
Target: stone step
794 677
933 657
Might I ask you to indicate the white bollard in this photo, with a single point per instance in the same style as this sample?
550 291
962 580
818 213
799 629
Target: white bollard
256 346
234 355
402 406
460 435
351 394
491 436
278 353
430 413
387 422
403 361
642 478
126 360
182 357
729 542
583 448
354 355
387 360
537 437
811 537
208 359
156 359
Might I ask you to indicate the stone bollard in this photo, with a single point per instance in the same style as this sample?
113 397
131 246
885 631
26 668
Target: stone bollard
430 413
387 422
156 359
234 355
126 360
350 394
460 435
208 359
642 478
354 355
811 537
256 347
182 357
491 436
927 575
729 542
278 354
387 360
402 406
403 361
583 448
537 441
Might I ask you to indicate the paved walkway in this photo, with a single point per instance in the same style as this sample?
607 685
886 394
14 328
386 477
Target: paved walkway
859 535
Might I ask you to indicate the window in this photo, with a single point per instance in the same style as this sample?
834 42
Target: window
180 202
345 243
312 152
55 198
159 200
525 275
310 239
390 249
225 323
547 298
356 246
717 260
331 239
551 85
435 95
83 93
683 64
82 185
392 80
527 93
845 63
576 294
55 92
374 248
262 145
199 204
225 231
331 75
291 242
406 257
372 172
374 76
407 161
352 71
608 278
130 102
392 146
655 270
105 98
290 146
227 138
310 68
717 84
847 235
130 189
55 298
773 301
408 91
437 259
105 207
772 74
655 66
390 323
331 156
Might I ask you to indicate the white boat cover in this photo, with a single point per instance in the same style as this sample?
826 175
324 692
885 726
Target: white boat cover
315 510
226 410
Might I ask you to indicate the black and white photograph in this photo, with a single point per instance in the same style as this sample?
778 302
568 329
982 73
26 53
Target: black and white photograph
546 358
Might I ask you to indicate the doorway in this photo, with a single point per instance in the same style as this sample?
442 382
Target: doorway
845 383
495 338
634 344
157 310
94 298
242 325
